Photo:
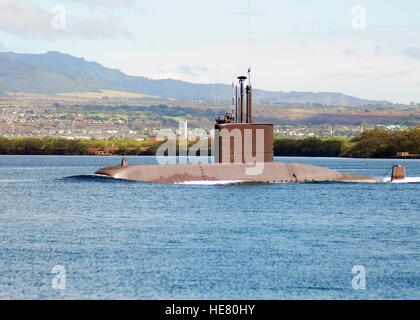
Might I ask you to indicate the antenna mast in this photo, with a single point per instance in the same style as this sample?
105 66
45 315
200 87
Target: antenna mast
236 104
233 102
249 35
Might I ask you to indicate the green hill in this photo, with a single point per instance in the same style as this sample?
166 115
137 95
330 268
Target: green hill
54 72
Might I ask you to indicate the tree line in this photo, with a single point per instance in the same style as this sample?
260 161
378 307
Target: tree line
376 143
60 146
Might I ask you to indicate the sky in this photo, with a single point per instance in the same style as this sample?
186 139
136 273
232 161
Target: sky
365 48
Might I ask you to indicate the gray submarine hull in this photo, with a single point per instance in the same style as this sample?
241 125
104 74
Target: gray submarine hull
273 172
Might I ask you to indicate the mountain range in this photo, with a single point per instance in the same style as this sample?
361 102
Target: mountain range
55 72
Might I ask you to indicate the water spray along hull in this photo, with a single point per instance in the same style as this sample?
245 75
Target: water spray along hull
274 172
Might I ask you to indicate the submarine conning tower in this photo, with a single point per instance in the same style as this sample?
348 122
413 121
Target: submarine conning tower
237 138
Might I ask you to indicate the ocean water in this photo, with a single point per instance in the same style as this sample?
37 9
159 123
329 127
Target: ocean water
132 240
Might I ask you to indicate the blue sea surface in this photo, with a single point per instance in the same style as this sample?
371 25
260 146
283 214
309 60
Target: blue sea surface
133 240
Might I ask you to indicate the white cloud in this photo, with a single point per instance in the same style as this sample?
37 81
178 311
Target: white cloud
352 53
192 71
412 52
110 3
379 50
109 27
26 20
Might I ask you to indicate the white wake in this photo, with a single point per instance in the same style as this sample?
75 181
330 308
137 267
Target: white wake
406 180
211 183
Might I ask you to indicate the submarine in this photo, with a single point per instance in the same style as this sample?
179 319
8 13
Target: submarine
243 152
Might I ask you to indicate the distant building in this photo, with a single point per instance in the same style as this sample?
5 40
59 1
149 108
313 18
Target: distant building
403 154
155 139
103 151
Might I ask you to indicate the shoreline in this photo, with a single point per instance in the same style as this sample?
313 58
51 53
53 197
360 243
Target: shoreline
150 155
372 144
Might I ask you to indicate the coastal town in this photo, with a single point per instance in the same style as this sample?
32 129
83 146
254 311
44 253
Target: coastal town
52 122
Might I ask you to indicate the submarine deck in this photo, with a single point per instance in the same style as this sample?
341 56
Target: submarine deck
271 172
